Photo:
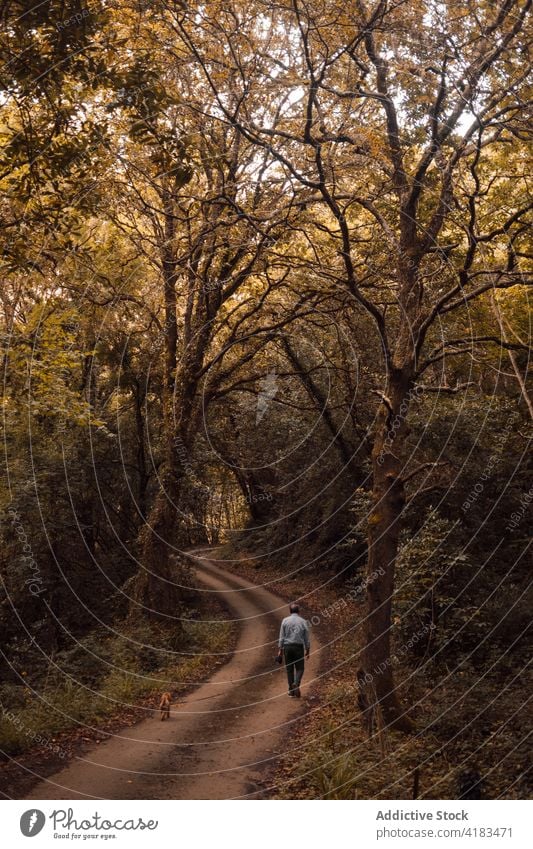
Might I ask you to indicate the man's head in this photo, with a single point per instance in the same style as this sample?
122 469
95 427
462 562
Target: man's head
294 608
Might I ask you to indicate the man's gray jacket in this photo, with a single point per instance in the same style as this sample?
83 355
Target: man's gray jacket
294 629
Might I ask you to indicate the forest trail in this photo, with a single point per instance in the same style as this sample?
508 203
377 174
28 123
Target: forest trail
223 735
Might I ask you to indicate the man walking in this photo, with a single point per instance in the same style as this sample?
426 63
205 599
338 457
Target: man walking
293 644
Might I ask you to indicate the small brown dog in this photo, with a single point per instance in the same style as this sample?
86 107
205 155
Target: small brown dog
164 706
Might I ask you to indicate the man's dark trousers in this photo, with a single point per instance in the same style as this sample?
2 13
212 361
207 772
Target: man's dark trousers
294 662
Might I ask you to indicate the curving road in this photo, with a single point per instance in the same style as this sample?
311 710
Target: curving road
220 739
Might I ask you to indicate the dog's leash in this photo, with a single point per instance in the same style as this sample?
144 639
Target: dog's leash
201 699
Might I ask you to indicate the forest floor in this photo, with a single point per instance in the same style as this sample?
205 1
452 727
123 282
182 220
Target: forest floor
220 742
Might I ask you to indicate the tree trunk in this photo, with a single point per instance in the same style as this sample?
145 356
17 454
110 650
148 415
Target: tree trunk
320 400
383 534
139 396
157 588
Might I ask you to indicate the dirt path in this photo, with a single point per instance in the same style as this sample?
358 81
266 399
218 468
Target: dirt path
221 738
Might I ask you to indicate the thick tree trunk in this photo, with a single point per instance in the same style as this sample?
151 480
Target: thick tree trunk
157 589
384 528
142 466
